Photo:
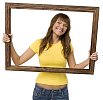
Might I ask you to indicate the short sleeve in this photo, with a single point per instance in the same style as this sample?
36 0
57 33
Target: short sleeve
71 46
35 46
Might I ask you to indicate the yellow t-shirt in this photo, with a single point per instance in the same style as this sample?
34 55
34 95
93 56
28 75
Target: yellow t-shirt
53 57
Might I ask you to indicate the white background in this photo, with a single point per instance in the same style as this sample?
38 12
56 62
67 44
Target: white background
28 25
19 85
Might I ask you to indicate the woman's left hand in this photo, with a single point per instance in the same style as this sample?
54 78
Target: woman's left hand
94 56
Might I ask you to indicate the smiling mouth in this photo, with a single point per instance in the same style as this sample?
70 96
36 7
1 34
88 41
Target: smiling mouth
60 30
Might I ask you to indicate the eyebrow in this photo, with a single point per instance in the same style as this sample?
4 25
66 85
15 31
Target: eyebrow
63 21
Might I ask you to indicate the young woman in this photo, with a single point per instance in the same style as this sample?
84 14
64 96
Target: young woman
54 50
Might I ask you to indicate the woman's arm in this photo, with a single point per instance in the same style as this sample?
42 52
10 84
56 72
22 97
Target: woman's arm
72 63
18 60
15 57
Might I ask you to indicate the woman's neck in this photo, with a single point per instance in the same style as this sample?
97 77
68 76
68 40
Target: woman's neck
55 38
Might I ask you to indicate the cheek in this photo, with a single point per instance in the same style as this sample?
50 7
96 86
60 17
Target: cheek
65 29
53 28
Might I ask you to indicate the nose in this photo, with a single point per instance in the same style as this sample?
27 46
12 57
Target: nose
61 25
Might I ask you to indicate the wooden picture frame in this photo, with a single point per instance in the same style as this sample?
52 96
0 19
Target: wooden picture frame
9 6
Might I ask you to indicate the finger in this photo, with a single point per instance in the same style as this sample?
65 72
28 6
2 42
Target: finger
94 54
6 40
7 35
10 34
94 58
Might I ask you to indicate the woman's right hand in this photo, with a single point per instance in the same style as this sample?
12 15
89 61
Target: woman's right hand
6 38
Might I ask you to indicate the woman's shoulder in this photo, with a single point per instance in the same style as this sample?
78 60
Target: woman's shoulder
38 40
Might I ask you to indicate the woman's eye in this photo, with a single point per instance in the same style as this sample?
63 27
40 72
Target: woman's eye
65 26
59 22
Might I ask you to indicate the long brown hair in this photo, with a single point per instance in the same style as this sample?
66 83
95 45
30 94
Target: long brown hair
65 38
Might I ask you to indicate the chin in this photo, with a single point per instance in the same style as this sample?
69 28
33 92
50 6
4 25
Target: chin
60 34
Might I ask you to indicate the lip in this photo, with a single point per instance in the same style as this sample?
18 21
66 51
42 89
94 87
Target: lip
59 29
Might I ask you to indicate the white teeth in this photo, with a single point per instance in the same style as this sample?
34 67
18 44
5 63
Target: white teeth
60 30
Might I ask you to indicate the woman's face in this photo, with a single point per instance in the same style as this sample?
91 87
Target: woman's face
59 27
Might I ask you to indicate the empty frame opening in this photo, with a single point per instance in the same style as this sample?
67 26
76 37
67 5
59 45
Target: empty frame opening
28 26
28 22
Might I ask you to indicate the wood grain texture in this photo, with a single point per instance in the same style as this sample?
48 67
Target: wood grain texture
94 10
